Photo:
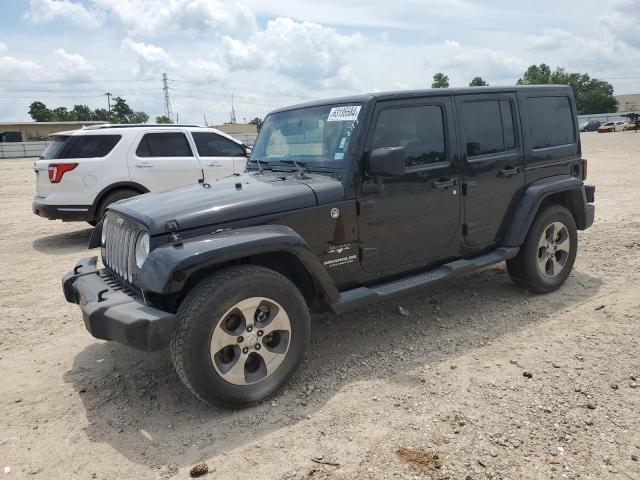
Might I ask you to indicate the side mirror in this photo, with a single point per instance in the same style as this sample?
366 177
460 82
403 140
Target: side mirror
247 150
387 162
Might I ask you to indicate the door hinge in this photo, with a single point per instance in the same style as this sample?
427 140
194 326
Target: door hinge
466 186
465 230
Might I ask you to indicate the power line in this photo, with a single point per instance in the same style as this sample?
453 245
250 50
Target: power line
167 103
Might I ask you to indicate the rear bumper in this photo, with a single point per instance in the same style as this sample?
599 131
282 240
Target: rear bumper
111 314
589 208
66 213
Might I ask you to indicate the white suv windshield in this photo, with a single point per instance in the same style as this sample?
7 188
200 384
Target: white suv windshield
313 136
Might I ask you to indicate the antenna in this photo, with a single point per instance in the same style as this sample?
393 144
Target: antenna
167 103
108 94
233 112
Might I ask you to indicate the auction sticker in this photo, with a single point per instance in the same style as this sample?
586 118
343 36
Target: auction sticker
344 114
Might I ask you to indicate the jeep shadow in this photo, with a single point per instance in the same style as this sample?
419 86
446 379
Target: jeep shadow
136 403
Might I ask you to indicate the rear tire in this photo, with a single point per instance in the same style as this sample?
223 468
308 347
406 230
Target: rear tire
240 337
110 198
547 255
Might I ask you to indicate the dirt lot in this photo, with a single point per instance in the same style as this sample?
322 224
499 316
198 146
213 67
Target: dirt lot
439 393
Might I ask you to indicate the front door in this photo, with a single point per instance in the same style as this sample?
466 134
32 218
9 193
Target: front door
493 165
411 220
219 156
162 160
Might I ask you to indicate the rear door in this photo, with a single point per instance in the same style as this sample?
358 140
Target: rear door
163 159
219 156
493 165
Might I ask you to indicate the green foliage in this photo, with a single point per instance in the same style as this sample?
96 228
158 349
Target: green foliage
39 112
257 122
592 95
478 82
120 113
162 119
440 80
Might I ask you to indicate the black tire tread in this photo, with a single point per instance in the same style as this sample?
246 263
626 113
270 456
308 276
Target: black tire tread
188 310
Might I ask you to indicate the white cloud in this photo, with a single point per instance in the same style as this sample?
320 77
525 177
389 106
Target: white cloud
306 51
48 10
12 68
3 46
624 22
72 66
151 59
205 71
488 63
153 17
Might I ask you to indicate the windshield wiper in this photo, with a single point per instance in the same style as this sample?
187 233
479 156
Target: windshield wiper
302 173
260 168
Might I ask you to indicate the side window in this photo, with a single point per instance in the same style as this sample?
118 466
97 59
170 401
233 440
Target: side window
165 144
89 146
488 127
550 121
420 130
212 145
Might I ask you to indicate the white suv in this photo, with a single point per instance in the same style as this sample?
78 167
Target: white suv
81 172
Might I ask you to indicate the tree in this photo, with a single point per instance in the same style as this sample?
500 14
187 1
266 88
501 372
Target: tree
138 117
440 80
101 114
81 113
39 112
257 122
478 82
120 111
592 95
162 119
60 114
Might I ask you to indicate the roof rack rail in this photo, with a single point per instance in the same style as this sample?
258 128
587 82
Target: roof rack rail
137 125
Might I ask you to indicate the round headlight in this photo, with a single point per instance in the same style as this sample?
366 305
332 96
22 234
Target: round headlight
142 248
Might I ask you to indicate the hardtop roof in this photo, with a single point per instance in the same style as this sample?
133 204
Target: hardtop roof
431 92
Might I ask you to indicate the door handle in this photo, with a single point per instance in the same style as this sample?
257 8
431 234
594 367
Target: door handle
509 172
214 164
144 165
444 184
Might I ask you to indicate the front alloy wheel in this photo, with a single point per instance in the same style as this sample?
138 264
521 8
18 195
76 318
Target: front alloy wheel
251 341
241 334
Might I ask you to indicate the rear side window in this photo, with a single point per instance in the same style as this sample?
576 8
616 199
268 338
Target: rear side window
212 145
419 130
89 146
550 121
488 127
54 145
166 144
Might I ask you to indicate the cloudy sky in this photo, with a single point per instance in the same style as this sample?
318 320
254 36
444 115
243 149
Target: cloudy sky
280 52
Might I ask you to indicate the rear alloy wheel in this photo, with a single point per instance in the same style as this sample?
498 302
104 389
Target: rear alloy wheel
241 335
547 255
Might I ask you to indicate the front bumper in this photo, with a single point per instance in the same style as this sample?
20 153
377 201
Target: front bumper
66 213
111 314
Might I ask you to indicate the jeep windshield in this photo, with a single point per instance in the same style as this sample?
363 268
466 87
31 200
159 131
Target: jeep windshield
316 138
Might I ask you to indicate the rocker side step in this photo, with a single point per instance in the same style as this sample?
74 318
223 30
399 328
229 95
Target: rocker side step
362 296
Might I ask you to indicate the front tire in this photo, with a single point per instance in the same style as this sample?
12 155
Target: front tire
110 198
240 337
547 255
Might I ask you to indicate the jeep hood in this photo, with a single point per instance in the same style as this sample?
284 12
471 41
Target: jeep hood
229 199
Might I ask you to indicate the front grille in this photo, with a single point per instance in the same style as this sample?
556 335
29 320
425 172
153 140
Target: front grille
120 243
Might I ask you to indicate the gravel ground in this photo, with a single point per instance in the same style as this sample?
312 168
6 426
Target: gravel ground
479 380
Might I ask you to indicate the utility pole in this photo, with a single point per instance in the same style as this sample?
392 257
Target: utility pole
204 115
233 111
167 103
108 94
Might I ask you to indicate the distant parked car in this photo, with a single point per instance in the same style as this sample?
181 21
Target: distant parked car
631 125
591 126
607 127
82 172
620 126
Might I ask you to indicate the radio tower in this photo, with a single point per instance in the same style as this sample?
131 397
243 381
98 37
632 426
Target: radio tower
167 103
233 111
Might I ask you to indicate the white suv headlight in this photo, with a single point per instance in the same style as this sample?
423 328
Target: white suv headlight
142 248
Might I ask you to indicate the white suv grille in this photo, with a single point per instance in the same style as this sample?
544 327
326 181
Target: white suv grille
120 243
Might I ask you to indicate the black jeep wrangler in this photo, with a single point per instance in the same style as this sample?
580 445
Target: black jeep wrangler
344 202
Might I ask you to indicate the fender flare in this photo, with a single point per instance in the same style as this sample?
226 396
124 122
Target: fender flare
533 197
167 268
116 186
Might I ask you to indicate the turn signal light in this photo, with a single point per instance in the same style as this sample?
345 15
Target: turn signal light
57 170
